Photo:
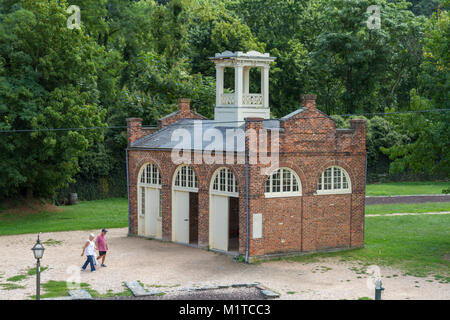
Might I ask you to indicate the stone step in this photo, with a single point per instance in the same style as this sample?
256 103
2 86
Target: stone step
80 295
139 291
269 294
136 288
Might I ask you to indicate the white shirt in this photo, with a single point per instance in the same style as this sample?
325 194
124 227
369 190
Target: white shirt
90 248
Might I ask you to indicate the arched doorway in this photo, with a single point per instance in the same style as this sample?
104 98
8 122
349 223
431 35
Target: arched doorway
149 202
185 206
224 211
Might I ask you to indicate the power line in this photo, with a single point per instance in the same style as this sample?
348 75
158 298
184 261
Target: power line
61 129
221 122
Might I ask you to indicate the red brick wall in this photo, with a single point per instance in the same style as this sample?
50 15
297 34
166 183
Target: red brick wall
193 217
308 145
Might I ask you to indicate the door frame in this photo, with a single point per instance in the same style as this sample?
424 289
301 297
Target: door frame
179 189
226 194
142 219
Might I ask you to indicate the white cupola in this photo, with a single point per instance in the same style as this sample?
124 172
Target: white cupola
241 104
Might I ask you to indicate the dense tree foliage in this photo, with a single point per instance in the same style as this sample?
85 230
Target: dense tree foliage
429 147
48 79
136 58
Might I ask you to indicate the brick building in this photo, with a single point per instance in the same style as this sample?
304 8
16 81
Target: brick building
244 183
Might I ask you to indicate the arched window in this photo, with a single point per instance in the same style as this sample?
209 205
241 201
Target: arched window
334 180
283 182
186 179
225 183
149 177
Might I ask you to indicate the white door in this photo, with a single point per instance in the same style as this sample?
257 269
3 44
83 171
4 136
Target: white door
219 223
180 217
152 212
141 210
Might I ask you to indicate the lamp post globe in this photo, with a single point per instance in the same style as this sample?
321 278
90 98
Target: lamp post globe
38 249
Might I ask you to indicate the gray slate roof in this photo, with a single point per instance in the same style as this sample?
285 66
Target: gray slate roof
180 135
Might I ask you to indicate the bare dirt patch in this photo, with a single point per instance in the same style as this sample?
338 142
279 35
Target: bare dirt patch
27 206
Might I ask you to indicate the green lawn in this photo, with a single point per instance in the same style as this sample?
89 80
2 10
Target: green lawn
418 245
408 207
109 213
406 188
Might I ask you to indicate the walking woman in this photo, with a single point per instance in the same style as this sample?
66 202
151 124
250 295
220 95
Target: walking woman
88 249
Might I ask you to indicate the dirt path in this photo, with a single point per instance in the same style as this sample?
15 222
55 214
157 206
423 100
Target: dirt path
408 199
173 266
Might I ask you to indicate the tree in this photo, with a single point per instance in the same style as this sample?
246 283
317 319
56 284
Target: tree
358 69
213 28
428 150
48 79
289 29
424 7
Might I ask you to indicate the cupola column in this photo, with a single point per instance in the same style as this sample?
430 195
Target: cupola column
238 84
265 85
219 84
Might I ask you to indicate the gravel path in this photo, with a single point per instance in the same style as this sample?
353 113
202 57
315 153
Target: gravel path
221 294
170 267
408 199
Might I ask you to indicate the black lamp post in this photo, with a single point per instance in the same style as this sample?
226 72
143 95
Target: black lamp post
38 251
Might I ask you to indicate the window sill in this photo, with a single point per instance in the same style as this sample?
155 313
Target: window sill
185 189
282 195
224 193
146 185
328 192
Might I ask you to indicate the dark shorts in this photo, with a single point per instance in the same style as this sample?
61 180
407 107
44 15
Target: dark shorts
101 253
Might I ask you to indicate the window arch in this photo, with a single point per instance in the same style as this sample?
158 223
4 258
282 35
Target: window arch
150 176
186 179
283 182
334 180
224 183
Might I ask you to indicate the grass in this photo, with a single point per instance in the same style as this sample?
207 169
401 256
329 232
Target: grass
406 188
30 272
418 245
408 207
109 213
291 292
52 242
162 285
17 278
53 289
11 286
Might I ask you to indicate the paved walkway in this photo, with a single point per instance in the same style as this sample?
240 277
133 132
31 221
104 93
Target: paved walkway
408 199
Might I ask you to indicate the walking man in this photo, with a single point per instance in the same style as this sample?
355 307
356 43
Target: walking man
88 249
102 246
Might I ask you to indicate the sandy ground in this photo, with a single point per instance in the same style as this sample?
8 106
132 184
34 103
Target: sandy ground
175 266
